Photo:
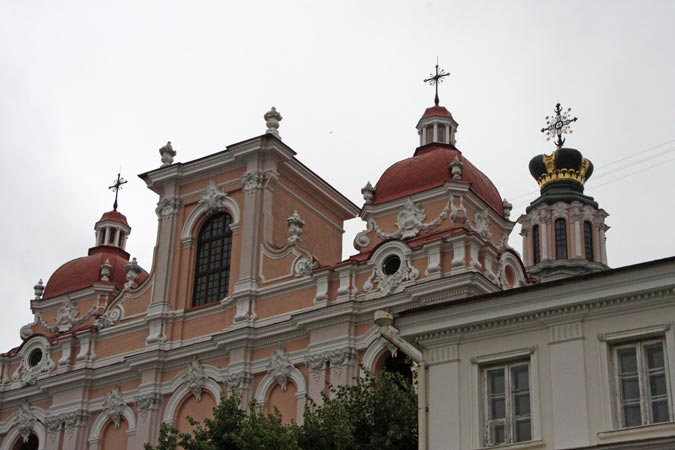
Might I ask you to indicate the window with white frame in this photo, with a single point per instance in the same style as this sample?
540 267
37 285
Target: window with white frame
507 405
641 383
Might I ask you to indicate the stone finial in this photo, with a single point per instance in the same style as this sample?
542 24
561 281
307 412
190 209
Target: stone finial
368 192
106 270
272 119
39 289
167 153
295 224
456 169
133 270
507 208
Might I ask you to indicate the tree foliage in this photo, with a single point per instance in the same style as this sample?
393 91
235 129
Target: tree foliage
380 411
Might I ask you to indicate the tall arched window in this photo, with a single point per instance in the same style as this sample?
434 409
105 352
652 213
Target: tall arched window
536 249
560 239
212 270
588 241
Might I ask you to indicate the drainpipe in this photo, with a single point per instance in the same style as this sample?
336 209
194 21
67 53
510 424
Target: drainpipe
384 320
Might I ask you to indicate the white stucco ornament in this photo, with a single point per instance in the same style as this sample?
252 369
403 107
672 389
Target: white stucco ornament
238 381
382 284
133 271
280 367
39 289
167 152
481 224
368 192
212 199
114 405
272 119
67 317
295 224
410 221
252 181
25 420
167 207
106 270
195 378
456 169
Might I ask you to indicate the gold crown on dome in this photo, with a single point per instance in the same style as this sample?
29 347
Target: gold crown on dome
553 174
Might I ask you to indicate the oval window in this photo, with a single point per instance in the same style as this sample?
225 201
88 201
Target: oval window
391 264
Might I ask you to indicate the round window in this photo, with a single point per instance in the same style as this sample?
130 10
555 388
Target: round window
35 357
391 264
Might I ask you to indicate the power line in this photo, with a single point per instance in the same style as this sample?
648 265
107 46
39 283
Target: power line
668 150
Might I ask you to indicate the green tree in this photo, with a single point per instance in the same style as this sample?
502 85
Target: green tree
379 412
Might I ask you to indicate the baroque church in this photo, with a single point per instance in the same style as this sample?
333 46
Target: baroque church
547 348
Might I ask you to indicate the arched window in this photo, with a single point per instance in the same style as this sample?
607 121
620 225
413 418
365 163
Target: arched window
31 444
212 270
560 239
536 249
588 241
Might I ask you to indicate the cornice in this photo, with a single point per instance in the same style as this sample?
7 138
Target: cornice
569 310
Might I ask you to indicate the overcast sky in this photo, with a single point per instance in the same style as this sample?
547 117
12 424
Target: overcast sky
87 87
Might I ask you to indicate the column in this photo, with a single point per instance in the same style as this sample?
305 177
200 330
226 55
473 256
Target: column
443 397
568 386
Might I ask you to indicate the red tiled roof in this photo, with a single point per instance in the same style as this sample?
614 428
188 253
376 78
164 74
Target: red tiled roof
114 216
430 168
82 272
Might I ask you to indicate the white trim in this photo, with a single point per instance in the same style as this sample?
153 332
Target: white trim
179 395
102 420
187 234
39 429
373 353
268 382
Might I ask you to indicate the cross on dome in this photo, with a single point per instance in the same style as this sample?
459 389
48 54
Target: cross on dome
558 125
117 185
435 80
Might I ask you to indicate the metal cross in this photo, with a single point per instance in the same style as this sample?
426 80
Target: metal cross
434 80
117 185
558 125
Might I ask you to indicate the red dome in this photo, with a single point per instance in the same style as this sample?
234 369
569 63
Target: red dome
82 272
430 168
114 216
439 111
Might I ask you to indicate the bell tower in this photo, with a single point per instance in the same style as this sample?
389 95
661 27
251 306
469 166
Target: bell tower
563 229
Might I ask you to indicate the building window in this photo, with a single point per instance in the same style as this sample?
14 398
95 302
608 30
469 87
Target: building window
441 134
641 383
536 249
560 239
212 270
507 403
588 241
430 134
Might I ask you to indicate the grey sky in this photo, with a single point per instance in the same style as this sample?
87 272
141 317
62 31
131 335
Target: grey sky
87 87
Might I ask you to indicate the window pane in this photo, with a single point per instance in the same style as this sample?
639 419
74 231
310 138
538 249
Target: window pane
630 388
654 356
497 408
497 433
520 378
535 244
631 415
660 411
523 430
588 241
657 385
522 404
495 381
627 361
560 239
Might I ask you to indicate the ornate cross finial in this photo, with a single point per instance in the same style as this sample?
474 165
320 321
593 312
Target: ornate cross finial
558 125
434 80
117 185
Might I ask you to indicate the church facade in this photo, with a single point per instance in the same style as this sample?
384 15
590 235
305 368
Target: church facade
248 291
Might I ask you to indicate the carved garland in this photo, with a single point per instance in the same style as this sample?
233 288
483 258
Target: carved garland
410 221
66 317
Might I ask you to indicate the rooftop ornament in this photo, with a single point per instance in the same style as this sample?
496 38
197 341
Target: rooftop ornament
167 152
435 80
117 185
272 119
558 125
